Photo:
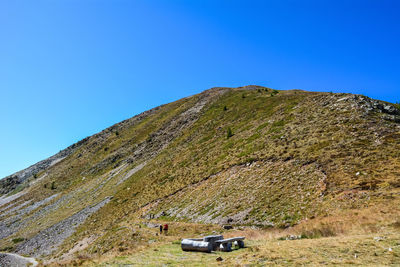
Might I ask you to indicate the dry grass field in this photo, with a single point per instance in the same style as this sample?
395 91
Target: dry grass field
367 237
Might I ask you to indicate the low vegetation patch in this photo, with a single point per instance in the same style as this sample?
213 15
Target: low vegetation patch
17 240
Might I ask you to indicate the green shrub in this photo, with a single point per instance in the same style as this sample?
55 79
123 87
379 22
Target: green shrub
229 133
18 239
225 108
274 92
8 249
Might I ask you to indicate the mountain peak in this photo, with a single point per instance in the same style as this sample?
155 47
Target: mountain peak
246 156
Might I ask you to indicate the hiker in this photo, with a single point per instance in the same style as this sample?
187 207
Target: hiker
161 229
165 229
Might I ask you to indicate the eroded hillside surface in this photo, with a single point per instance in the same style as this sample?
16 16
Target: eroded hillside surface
248 156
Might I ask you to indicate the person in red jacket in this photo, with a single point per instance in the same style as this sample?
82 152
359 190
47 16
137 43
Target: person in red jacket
165 229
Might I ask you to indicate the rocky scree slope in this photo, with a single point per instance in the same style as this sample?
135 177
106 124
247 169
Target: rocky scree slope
248 155
60 196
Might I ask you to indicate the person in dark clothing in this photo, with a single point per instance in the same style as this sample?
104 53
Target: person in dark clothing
161 227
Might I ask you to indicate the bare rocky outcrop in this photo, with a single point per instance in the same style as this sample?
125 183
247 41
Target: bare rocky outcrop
48 240
10 259
12 224
369 105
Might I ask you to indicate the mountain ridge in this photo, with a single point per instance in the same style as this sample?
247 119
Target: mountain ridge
248 156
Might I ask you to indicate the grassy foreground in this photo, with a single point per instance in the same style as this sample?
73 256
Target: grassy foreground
363 250
368 237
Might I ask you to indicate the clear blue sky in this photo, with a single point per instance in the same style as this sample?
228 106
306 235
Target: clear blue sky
70 68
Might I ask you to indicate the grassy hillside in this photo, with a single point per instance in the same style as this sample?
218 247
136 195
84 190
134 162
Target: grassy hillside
253 155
